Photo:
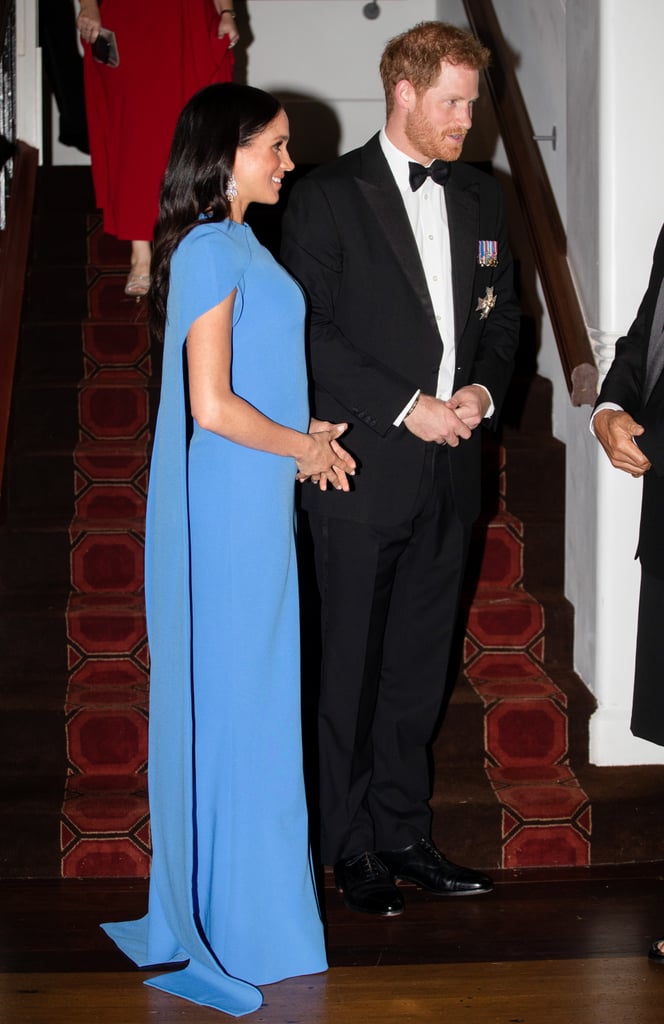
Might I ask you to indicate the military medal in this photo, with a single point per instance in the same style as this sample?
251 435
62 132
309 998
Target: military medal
486 304
487 253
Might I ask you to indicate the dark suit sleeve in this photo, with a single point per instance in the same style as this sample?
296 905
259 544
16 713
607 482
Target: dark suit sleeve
623 383
313 251
651 442
625 380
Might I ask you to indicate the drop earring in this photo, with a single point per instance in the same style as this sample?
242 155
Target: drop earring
231 188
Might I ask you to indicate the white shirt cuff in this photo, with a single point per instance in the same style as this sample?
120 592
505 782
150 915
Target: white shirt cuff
406 409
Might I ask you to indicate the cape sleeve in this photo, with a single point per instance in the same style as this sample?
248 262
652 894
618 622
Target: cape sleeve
208 264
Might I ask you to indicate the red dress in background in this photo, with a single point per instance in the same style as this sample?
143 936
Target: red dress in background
168 51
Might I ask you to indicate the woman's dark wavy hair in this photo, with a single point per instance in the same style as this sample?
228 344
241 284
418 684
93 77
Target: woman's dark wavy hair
213 125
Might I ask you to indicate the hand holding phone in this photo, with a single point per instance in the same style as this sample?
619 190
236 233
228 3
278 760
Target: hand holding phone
105 48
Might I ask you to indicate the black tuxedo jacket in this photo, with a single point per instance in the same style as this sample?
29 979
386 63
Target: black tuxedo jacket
373 339
624 385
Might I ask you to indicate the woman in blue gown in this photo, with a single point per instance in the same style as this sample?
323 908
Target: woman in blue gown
231 886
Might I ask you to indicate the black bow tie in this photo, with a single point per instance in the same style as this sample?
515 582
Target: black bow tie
439 170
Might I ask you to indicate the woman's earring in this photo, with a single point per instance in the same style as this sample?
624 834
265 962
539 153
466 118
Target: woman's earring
231 188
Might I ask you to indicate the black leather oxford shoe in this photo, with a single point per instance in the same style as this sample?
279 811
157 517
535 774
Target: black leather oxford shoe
425 865
367 886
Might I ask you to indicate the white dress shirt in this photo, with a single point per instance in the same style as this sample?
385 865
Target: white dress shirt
427 214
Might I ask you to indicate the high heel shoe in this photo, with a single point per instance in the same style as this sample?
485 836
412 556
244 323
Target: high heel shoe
137 285
655 953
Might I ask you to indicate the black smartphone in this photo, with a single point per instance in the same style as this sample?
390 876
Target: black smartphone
105 48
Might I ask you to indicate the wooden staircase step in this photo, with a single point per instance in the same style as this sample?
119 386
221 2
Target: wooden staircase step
54 357
55 295
39 487
58 238
24 729
467 817
30 807
535 479
44 417
626 812
31 636
34 560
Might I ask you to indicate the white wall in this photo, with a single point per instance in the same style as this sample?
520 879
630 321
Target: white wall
28 75
590 66
322 58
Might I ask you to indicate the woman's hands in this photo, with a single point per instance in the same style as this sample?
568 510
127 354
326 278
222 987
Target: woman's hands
215 406
227 26
326 461
88 21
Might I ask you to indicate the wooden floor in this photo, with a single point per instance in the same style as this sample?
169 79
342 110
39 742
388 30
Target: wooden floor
544 948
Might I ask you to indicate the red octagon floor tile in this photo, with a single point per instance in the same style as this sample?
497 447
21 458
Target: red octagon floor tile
507 619
545 846
543 802
502 558
526 731
499 665
107 812
105 858
107 562
107 741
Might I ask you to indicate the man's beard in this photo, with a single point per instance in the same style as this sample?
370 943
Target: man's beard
430 142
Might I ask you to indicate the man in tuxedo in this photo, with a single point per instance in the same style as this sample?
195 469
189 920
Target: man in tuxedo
628 421
403 254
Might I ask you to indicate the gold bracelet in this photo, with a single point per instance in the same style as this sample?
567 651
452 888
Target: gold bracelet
228 10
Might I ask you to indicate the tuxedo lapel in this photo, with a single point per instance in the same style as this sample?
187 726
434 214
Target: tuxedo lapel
463 221
383 199
655 359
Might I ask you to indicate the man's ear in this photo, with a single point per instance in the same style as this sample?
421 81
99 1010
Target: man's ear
405 96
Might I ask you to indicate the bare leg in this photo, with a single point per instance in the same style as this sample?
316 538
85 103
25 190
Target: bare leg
138 281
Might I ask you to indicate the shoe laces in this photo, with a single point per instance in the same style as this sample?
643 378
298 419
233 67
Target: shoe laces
431 849
370 865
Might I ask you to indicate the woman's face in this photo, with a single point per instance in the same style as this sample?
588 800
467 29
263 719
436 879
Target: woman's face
260 166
